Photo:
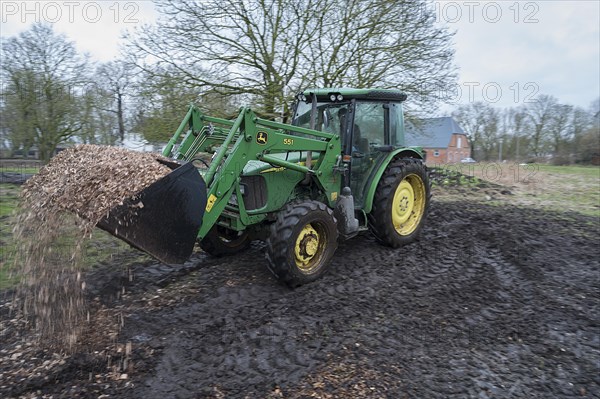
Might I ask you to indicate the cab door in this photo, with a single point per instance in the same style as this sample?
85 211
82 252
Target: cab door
370 139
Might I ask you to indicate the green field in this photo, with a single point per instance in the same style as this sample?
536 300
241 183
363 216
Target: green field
516 171
556 188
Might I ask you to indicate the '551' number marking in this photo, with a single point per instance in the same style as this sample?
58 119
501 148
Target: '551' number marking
288 141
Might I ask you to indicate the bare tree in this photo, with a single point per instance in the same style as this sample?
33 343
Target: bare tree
98 126
588 144
540 113
114 80
559 127
18 110
582 119
45 70
570 134
268 49
383 44
480 122
515 126
231 47
162 99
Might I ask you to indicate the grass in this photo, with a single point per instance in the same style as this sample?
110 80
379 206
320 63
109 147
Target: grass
502 170
591 171
557 188
9 198
19 169
567 188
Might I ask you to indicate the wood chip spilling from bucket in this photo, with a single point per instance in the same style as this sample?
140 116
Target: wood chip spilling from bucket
59 208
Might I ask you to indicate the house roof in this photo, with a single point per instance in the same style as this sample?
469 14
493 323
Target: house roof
432 132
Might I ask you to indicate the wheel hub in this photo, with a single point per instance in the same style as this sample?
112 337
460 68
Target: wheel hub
405 200
408 204
307 246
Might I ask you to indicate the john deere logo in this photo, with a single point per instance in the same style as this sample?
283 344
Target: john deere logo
261 138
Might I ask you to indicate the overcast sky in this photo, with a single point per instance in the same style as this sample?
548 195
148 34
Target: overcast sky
507 51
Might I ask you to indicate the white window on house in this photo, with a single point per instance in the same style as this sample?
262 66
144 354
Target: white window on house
436 153
449 156
458 145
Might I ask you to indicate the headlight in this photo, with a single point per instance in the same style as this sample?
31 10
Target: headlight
332 97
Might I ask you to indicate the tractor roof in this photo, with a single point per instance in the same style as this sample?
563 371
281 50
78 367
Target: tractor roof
360 94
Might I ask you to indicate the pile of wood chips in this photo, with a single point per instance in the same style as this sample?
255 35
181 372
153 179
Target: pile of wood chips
59 208
89 180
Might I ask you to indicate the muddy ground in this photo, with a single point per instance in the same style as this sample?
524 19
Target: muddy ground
495 301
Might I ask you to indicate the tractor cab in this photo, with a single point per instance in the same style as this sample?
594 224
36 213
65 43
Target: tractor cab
369 122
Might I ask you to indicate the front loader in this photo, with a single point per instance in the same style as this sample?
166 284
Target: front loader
341 167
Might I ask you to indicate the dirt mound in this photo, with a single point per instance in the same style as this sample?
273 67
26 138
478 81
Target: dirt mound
86 181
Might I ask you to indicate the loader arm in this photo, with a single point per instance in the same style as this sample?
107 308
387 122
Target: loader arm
249 138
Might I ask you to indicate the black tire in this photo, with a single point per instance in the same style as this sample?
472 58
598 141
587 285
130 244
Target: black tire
301 242
221 241
401 224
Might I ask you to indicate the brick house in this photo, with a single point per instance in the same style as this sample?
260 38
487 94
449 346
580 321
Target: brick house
442 138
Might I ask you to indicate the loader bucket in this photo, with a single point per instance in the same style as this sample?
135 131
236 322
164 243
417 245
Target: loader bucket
164 218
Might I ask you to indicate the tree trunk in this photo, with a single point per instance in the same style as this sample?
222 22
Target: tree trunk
44 153
120 116
45 150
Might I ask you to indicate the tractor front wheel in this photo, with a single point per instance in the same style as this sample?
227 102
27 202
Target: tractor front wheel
301 242
221 241
401 202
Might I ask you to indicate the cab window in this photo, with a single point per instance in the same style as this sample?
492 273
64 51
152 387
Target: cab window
369 119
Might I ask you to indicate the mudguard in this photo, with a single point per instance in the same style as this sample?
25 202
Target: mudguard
406 152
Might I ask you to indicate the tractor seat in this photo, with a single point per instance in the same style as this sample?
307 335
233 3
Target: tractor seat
361 143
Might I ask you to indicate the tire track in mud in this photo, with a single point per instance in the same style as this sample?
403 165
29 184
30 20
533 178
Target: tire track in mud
467 311
495 302
228 329
516 293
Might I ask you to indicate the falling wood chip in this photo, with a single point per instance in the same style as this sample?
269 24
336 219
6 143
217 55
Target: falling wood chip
59 208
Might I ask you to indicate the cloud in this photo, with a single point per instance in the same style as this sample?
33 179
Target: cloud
513 45
559 51
94 26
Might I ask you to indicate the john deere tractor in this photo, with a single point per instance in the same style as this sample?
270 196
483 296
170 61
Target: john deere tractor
341 167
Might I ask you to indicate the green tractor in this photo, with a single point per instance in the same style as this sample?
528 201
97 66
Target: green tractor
341 167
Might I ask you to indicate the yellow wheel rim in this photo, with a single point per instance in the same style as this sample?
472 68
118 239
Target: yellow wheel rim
408 204
309 249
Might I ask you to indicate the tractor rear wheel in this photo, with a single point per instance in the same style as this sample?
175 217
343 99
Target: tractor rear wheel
221 241
301 242
401 202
